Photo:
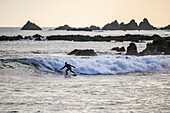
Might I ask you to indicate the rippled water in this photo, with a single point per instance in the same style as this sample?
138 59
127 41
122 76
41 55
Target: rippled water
47 31
25 88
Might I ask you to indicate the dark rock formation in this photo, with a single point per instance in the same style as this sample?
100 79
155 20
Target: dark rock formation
37 37
118 49
30 26
79 29
145 25
132 49
128 37
92 27
166 28
10 38
112 26
87 52
68 28
158 46
65 27
132 25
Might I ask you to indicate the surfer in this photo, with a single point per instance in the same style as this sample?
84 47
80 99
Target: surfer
68 66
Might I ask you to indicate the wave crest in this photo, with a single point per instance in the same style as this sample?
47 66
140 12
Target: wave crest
105 65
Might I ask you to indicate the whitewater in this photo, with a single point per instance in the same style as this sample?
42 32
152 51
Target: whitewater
105 65
31 80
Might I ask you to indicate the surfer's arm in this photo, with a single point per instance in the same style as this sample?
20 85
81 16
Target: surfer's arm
72 66
62 67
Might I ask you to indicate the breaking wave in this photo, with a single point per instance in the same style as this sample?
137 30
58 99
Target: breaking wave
104 65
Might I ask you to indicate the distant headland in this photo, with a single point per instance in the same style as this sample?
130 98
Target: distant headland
132 25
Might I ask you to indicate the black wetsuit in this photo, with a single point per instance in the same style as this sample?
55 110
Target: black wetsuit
68 66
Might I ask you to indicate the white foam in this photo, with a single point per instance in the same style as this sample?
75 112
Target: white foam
106 65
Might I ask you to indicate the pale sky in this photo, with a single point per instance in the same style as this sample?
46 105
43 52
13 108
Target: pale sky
82 13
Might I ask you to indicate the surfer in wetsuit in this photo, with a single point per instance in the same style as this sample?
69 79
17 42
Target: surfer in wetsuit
68 66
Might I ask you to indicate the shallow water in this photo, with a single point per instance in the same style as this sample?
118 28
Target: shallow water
135 92
27 88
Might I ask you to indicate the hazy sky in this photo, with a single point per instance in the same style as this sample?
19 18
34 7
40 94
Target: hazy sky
82 13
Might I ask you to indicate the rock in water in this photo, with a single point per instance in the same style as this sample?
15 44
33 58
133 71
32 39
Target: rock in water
92 27
87 52
30 26
158 46
145 25
112 26
119 49
65 27
166 28
132 25
132 49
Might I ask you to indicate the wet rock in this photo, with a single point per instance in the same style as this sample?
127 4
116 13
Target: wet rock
132 49
10 38
158 46
30 26
118 49
87 52
37 37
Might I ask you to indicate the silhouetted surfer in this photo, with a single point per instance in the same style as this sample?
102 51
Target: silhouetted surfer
68 66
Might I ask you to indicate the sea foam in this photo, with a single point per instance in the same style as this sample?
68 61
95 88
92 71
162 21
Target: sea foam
105 65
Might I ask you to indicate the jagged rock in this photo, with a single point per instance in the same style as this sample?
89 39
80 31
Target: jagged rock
132 25
145 25
158 46
30 26
132 49
92 27
37 37
65 27
68 28
87 52
166 28
112 26
118 49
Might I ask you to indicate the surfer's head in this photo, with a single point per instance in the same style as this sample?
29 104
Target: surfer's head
65 62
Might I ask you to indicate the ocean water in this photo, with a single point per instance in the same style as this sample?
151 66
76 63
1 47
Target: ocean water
31 80
47 31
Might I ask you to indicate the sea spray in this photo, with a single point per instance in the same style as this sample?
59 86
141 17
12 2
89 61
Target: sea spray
105 65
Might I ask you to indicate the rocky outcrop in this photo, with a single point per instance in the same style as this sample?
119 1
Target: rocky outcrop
68 28
132 49
87 52
65 27
166 28
158 46
92 27
79 29
145 25
10 38
30 26
132 25
37 37
122 49
112 26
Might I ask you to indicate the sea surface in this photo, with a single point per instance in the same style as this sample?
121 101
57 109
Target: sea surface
31 80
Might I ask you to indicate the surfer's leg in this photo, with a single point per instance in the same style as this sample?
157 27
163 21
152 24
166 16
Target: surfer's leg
67 71
72 71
